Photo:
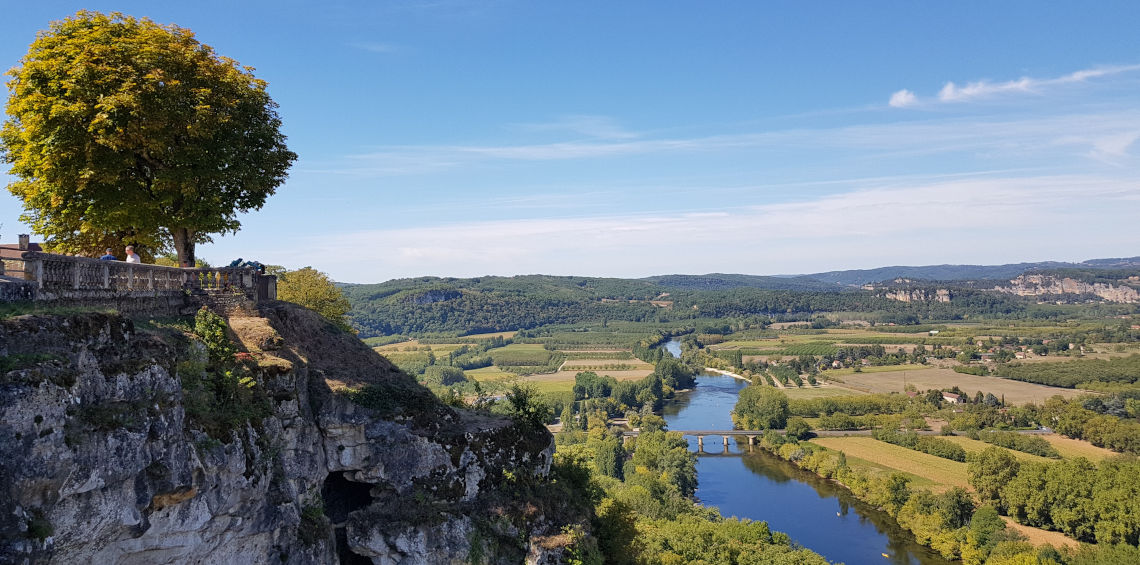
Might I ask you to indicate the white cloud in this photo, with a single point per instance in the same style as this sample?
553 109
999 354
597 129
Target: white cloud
1014 136
1113 148
903 98
964 220
601 127
952 92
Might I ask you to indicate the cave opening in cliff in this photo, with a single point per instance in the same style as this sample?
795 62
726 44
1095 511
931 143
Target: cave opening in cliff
342 496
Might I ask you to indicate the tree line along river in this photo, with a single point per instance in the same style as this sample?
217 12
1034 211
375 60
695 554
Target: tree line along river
816 513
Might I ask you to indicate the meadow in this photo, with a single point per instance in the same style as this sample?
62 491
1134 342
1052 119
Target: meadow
1014 392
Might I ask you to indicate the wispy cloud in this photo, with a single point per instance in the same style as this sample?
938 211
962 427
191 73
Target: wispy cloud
1040 134
1113 149
600 127
952 92
965 220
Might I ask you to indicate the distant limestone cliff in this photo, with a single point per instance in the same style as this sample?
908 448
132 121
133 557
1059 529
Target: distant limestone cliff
1057 286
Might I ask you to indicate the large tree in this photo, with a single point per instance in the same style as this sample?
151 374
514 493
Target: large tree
316 291
119 125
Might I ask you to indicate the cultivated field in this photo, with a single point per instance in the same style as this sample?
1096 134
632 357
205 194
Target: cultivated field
974 446
819 391
1038 537
563 381
1015 392
489 374
1069 448
942 473
598 365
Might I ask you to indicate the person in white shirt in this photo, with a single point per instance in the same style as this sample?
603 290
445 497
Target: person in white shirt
132 257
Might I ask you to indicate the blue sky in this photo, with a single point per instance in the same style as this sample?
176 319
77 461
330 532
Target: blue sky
462 138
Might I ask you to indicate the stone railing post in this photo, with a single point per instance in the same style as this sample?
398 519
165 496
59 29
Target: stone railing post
34 270
130 277
150 279
75 276
106 275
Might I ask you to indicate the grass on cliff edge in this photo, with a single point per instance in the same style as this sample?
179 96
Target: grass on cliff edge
13 309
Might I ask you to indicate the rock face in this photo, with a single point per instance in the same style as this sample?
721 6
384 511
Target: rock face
1048 285
102 464
918 295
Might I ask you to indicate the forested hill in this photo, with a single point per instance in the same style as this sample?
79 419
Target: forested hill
431 305
720 281
858 277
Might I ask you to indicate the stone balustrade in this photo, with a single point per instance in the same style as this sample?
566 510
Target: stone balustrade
63 277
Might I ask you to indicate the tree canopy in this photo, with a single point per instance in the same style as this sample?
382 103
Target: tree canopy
121 127
314 290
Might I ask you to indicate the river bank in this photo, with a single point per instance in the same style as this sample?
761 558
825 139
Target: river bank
727 374
818 514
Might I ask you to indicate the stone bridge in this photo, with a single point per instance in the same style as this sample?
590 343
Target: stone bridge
702 434
129 287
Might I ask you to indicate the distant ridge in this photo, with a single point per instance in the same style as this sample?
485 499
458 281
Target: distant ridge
859 277
725 281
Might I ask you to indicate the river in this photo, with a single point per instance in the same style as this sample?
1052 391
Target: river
816 513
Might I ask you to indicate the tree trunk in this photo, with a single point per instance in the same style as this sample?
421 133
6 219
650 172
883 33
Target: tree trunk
184 246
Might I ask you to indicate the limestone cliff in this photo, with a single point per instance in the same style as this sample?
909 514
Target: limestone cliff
105 459
1059 286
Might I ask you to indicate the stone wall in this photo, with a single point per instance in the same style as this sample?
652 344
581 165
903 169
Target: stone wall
133 288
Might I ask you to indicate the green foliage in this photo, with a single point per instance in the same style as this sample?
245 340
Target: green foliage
646 518
1073 496
220 396
314 525
798 428
1103 430
989 471
121 126
39 527
1019 442
1069 374
314 290
439 375
760 408
860 405
214 333
979 370
525 407
666 455
936 446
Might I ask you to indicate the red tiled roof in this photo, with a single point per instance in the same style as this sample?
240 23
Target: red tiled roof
12 250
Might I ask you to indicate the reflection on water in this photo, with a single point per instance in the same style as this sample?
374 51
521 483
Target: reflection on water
818 514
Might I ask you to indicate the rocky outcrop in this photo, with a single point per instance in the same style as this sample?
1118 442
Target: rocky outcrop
105 463
918 295
1054 286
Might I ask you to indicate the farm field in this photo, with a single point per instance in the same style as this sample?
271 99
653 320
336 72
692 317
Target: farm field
597 364
942 473
872 369
489 374
819 391
1069 448
915 480
1015 392
563 381
975 446
1039 537
504 335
